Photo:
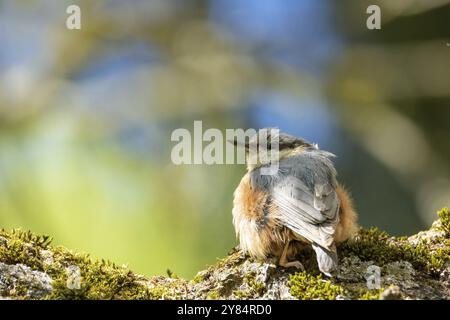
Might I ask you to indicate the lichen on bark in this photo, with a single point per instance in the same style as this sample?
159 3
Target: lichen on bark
415 267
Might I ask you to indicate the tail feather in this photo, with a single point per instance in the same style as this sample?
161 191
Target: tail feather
326 259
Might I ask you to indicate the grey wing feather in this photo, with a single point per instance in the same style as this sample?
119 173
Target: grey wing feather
304 191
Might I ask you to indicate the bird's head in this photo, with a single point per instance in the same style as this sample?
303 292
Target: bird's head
269 145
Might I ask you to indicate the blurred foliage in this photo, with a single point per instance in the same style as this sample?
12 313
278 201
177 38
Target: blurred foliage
86 116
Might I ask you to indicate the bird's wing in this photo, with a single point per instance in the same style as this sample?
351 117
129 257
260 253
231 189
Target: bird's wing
303 190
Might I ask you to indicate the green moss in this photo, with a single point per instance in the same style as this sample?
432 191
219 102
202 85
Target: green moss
444 216
168 291
104 280
233 258
440 257
213 295
254 287
157 293
377 246
305 286
199 277
171 274
23 247
241 294
99 279
370 294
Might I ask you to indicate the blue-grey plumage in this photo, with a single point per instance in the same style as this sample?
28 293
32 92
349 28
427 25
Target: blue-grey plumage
302 201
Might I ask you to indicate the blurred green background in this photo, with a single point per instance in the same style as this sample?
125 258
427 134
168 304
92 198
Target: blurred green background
86 116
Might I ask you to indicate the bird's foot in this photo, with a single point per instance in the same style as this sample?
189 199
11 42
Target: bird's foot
296 264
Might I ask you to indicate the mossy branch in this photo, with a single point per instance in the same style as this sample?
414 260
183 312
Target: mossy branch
416 267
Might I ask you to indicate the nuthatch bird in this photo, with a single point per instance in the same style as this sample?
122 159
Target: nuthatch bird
300 201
